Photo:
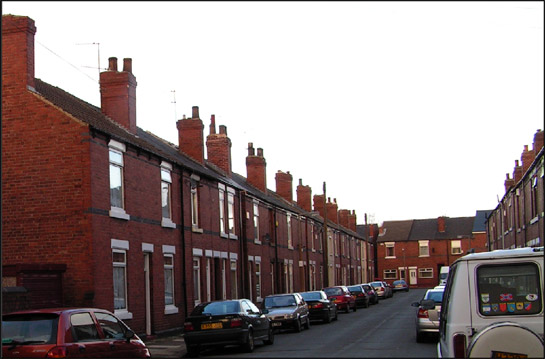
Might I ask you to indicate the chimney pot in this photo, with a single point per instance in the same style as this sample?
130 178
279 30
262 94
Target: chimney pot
223 129
112 64
260 152
213 124
251 150
195 113
127 65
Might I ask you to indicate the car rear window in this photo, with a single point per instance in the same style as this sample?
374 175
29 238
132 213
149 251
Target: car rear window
30 329
217 308
333 291
355 288
509 289
311 296
280 301
436 296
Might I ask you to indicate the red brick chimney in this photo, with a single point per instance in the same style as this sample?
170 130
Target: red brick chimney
256 168
17 53
304 194
517 172
441 225
190 136
284 185
332 214
509 182
538 141
527 157
318 200
118 94
352 224
343 217
218 147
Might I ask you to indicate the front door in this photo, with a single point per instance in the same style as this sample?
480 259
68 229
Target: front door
412 276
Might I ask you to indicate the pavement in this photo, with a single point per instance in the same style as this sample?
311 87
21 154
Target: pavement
167 346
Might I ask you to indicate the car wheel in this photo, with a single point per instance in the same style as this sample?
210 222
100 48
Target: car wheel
249 345
307 323
355 307
192 351
298 325
327 317
419 337
336 314
270 339
347 308
366 304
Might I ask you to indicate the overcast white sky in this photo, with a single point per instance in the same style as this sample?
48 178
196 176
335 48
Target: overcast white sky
406 110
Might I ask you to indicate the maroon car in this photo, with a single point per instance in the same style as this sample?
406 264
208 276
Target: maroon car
69 333
341 296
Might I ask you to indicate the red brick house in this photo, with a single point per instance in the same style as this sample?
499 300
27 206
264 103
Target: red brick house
98 212
416 249
518 220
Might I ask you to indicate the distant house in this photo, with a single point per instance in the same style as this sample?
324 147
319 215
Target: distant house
416 249
518 220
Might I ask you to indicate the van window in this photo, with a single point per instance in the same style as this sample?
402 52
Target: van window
447 297
509 289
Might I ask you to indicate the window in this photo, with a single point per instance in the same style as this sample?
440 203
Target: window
425 272
290 274
223 226
256 223
423 249
166 182
258 280
117 194
509 289
456 247
290 240
169 279
194 206
197 279
120 281
390 253
233 279
227 214
390 274
312 237
111 327
83 327
533 199
231 212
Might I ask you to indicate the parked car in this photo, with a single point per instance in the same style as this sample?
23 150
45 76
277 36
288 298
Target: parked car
443 275
400 285
360 295
373 296
427 315
493 305
287 311
319 307
341 296
224 322
69 332
383 290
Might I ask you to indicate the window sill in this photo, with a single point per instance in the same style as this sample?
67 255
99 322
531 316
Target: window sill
195 229
123 314
390 257
534 220
290 247
171 309
167 223
257 241
233 236
120 213
424 255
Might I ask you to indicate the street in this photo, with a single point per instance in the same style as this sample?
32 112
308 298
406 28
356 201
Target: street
385 330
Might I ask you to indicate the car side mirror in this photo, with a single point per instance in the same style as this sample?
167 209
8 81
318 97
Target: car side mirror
428 304
129 334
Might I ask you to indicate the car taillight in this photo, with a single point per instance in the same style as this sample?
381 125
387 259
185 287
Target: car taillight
188 326
459 344
422 313
360 295
319 305
57 352
235 323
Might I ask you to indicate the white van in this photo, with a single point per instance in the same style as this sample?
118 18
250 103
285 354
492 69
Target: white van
493 306
443 275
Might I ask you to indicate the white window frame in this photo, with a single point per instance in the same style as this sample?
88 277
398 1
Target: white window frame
117 148
231 213
388 245
169 252
312 239
223 220
456 247
258 285
288 226
256 222
197 275
233 279
195 203
390 274
425 273
166 196
120 246
421 246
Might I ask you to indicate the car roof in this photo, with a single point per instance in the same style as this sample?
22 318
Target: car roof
57 310
504 253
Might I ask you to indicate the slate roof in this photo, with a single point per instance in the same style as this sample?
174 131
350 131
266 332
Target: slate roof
147 141
393 231
480 220
426 229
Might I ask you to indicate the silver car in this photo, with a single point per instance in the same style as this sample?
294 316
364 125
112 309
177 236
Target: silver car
427 315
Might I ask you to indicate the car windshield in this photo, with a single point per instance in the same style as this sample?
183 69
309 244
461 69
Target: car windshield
436 296
280 301
27 329
399 282
377 284
311 296
355 288
333 291
217 308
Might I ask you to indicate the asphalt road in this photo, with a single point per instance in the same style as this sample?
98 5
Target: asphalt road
385 330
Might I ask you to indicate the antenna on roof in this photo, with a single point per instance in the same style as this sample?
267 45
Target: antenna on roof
98 55
174 102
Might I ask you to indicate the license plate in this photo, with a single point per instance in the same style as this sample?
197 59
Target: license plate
276 324
211 326
496 354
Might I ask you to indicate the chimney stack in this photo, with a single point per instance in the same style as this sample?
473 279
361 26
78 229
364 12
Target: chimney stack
318 200
441 225
190 136
538 141
509 182
332 213
256 168
17 63
527 158
304 194
352 222
118 94
343 217
517 172
284 185
218 147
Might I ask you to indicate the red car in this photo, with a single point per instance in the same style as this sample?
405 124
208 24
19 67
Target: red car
68 333
341 296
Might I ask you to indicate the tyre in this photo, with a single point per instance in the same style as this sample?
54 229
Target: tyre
336 317
192 351
298 325
419 337
307 323
355 307
347 308
270 339
249 345
366 304
327 317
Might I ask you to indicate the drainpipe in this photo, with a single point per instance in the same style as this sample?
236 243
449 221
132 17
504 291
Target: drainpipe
277 263
243 247
182 230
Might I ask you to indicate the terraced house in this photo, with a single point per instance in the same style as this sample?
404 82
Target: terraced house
99 212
